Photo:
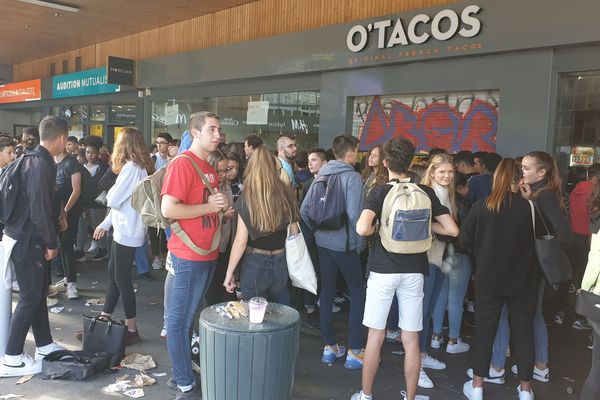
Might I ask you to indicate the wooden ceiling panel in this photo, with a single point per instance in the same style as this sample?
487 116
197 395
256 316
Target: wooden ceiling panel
29 32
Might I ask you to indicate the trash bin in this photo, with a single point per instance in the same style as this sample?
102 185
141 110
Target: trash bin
244 361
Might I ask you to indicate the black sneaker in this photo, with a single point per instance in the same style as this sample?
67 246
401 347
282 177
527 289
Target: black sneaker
147 276
102 254
80 256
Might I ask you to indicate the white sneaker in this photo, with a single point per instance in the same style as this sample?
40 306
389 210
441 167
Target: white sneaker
424 380
15 286
436 341
493 376
335 308
360 396
471 392
393 336
60 286
72 292
524 395
417 396
24 366
540 375
157 263
93 246
41 352
163 333
471 306
458 347
432 363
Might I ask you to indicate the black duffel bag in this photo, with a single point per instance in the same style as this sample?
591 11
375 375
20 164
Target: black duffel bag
73 365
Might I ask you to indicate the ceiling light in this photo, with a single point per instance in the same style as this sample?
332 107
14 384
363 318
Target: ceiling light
51 4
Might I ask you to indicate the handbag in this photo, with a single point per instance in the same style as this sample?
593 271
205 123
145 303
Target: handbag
102 334
551 256
300 266
73 365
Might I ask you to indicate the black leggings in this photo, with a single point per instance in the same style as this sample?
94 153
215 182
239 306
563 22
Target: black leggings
67 240
591 388
119 280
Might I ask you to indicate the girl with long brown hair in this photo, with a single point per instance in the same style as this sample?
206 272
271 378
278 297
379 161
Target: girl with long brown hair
265 209
374 172
131 161
541 183
499 233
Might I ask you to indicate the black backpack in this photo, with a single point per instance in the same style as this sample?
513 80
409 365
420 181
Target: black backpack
327 203
10 184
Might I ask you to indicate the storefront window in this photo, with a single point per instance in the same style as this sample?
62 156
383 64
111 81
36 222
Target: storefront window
266 115
577 127
453 121
77 116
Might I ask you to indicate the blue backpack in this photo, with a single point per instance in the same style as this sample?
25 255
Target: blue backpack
327 203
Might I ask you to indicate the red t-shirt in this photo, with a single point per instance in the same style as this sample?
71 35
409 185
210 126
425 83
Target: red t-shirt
182 182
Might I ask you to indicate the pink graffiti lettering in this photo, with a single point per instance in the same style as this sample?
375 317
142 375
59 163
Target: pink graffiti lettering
438 124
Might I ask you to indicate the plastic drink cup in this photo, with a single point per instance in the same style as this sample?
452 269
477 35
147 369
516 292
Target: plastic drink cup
257 307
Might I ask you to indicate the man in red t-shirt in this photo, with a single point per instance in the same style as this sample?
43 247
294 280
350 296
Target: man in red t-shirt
188 200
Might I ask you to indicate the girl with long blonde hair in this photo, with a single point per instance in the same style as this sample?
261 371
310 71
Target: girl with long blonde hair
265 209
455 281
131 161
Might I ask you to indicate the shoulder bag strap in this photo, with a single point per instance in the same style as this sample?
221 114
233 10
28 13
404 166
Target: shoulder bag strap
178 230
541 215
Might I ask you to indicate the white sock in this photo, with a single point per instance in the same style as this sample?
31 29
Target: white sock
186 388
46 349
13 360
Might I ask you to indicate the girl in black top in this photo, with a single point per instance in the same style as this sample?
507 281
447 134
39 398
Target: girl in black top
499 233
265 209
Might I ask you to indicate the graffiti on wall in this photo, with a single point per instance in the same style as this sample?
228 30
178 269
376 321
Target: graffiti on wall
453 121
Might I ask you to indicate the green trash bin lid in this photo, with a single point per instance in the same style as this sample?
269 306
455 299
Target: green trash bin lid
277 317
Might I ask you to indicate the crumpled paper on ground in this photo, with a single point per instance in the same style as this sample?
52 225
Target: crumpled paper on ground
134 393
138 362
123 384
95 302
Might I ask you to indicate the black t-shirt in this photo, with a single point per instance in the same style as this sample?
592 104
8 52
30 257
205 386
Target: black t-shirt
64 170
384 262
261 240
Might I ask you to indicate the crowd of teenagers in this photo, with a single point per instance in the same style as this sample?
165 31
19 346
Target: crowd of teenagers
465 241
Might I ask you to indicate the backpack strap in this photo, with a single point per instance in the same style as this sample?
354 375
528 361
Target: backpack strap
178 230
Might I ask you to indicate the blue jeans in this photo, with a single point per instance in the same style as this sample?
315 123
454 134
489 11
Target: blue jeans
349 264
540 334
431 291
141 259
266 276
167 297
453 291
190 282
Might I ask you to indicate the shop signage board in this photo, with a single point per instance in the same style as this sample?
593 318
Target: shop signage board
21 91
84 83
442 26
120 71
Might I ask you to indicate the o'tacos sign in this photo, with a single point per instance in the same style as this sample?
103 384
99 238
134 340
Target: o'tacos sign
83 83
442 26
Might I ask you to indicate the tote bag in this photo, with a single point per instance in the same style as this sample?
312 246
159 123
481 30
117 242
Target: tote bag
552 258
300 266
